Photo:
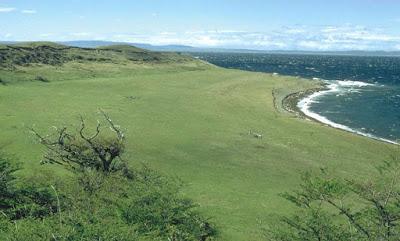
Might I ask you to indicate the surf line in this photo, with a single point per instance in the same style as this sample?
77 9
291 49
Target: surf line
304 105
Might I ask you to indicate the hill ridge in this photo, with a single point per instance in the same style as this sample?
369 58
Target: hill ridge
49 53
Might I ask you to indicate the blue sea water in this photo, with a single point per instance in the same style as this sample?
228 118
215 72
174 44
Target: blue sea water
363 94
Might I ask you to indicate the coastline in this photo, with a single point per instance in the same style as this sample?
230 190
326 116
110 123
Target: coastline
291 104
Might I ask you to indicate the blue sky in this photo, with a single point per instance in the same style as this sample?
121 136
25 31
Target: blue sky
253 24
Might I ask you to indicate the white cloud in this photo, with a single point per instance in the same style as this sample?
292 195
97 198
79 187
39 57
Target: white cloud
7 10
168 33
344 37
46 35
8 35
29 11
356 33
293 30
328 38
81 34
316 45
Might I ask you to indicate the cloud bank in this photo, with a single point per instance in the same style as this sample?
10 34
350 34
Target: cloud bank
7 10
28 11
313 38
322 38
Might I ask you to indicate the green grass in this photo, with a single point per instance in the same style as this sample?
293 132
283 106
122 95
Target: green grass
192 120
54 62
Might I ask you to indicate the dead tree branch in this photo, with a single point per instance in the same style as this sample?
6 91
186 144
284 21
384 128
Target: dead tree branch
78 151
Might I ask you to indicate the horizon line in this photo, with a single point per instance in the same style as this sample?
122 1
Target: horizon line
201 47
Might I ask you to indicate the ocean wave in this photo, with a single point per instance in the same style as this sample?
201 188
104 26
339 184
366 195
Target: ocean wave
351 83
341 87
335 87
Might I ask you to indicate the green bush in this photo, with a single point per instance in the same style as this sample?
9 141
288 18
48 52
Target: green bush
96 203
26 201
41 79
147 207
80 226
336 209
156 207
79 151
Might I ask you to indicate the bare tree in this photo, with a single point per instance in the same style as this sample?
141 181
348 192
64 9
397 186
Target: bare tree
78 150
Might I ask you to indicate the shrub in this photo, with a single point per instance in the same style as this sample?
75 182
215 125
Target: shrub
96 203
80 151
78 226
147 207
7 183
42 79
3 82
156 207
21 202
332 208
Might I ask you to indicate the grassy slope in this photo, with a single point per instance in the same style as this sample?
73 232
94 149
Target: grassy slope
193 122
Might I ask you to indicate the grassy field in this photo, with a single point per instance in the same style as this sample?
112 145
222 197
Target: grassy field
191 120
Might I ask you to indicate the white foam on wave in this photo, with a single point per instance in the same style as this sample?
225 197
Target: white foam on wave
351 83
335 87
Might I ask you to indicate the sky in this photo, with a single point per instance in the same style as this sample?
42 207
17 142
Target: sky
250 24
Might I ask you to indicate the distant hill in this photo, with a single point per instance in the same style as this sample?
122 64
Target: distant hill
47 62
48 53
190 49
184 48
166 48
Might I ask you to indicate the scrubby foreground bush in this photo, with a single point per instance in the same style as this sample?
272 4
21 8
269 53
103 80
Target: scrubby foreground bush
337 209
95 203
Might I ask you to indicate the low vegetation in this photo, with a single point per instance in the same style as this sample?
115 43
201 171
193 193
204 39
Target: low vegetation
12 56
99 201
332 208
46 62
221 131
81 151
17 203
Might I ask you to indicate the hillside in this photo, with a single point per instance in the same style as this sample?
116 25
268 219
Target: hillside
47 62
56 54
184 118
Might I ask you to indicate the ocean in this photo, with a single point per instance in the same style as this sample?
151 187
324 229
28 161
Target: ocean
363 94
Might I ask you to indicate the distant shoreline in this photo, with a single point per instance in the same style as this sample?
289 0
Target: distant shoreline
291 101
